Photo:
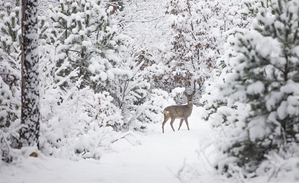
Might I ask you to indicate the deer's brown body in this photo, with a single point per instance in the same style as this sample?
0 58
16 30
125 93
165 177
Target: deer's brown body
178 112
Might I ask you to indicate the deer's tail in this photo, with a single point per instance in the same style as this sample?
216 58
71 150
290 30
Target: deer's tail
166 113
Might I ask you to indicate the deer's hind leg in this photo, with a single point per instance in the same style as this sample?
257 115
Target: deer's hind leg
166 118
171 123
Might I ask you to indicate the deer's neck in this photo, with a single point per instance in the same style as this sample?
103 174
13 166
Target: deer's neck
190 105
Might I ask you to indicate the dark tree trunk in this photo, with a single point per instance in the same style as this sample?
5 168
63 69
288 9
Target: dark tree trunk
30 115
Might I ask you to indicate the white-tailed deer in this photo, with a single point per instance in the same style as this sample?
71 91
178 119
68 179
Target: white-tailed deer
178 112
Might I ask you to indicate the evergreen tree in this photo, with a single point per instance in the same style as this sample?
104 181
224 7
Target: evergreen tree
218 105
87 38
264 78
10 64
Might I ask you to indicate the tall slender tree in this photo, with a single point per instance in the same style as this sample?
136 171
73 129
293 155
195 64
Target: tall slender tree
30 115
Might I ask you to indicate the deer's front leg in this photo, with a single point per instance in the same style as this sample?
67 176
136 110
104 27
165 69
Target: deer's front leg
165 120
186 120
181 124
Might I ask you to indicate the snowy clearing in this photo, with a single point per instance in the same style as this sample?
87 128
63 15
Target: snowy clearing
157 158
172 157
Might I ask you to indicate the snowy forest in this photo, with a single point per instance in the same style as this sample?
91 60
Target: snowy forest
83 85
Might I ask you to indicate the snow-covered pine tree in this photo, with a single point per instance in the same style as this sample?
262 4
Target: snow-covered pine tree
30 115
265 79
66 25
219 107
87 37
10 64
221 112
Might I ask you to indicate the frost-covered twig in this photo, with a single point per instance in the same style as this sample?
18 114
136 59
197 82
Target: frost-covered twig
186 173
4 148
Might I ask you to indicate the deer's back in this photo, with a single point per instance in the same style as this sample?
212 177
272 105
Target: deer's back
178 111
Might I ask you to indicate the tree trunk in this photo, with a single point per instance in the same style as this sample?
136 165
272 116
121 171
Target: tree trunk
30 115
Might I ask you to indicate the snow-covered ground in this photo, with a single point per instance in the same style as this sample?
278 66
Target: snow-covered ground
167 158
172 157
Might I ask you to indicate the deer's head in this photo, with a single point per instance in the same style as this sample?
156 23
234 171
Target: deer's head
189 98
